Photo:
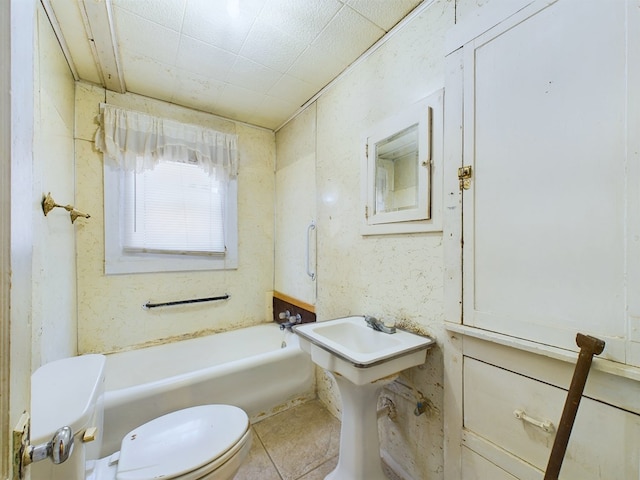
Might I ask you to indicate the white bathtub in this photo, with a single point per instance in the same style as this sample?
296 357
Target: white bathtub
246 367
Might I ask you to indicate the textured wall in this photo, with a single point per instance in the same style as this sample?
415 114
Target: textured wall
110 316
399 276
54 268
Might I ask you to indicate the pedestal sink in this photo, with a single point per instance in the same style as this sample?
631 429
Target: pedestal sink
362 360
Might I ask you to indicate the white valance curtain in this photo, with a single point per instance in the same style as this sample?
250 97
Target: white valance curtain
136 142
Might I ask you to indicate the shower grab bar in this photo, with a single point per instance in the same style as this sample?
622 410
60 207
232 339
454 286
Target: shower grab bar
311 226
149 305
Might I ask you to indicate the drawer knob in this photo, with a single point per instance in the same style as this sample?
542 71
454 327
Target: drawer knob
545 425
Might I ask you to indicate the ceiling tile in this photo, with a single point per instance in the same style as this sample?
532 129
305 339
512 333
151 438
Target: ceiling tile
248 74
211 22
279 111
384 13
137 35
349 34
335 48
258 66
204 59
196 91
252 107
238 102
271 47
302 20
294 90
168 13
148 77
318 65
70 21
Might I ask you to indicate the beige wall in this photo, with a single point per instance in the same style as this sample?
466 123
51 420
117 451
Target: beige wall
54 269
109 307
399 276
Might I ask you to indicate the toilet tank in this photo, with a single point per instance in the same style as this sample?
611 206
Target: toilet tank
68 392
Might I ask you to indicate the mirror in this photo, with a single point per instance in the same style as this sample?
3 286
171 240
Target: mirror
396 170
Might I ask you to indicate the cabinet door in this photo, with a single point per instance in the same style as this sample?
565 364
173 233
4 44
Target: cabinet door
295 237
475 467
545 108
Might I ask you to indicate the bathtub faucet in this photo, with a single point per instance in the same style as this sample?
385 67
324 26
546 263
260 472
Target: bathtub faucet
291 320
379 325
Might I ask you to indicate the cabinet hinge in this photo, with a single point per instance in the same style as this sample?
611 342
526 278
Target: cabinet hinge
366 212
20 441
366 150
464 175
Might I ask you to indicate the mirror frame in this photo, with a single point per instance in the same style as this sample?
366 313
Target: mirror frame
426 216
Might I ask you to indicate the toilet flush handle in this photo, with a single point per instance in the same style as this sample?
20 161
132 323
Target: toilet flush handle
58 448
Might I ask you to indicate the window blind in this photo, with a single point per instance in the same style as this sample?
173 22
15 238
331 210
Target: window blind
176 208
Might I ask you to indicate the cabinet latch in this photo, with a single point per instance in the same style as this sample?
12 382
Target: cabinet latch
464 175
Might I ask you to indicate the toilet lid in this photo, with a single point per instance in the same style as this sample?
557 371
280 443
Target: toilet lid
179 442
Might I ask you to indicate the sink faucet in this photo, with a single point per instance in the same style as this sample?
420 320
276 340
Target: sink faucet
379 325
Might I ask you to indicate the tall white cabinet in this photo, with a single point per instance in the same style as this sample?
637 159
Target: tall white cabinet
543 239
295 222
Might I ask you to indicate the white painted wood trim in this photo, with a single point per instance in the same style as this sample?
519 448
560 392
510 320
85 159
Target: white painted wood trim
453 401
17 34
452 236
489 16
633 189
603 365
98 18
452 202
5 233
619 392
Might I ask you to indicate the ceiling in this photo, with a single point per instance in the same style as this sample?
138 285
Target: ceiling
256 61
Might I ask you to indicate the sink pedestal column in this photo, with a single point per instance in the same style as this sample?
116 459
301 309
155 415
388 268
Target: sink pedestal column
359 443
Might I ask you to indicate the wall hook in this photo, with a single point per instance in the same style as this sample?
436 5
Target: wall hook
48 204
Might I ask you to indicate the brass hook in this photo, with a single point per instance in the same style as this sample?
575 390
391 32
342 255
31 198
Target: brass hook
75 214
48 204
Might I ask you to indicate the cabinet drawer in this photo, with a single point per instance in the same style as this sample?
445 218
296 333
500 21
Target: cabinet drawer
604 441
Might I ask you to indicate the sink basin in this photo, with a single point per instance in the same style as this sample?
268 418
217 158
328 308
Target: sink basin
350 347
362 361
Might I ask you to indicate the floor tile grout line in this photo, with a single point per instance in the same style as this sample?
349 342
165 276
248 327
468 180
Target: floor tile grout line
266 450
272 452
316 468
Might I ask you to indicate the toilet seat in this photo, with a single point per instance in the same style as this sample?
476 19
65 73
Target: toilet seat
186 444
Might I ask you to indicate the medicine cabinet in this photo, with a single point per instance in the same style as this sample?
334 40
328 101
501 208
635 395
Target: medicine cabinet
398 170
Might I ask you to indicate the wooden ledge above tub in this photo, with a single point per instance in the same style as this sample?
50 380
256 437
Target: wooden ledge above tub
283 302
294 301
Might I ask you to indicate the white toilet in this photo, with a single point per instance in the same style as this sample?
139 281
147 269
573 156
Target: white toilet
204 442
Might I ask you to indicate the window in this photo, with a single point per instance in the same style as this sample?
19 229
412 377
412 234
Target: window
174 208
168 207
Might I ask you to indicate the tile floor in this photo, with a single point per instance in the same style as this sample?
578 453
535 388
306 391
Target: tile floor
298 444
301 443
